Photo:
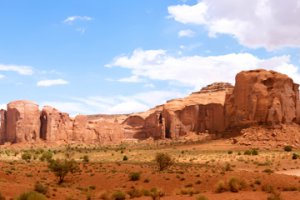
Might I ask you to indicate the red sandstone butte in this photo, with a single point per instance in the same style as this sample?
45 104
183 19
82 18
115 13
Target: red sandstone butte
259 97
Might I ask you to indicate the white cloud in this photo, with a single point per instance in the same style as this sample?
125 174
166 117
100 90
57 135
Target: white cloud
48 83
20 69
186 33
73 108
198 71
72 19
116 104
2 76
131 79
3 106
189 14
270 24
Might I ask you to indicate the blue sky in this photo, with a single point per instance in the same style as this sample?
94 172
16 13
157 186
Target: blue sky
90 56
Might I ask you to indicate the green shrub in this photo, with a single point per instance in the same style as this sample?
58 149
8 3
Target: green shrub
288 148
229 152
46 156
163 160
92 187
234 184
220 187
267 188
86 159
62 167
134 193
134 176
32 196
26 156
268 170
118 195
40 188
295 156
253 152
156 193
125 158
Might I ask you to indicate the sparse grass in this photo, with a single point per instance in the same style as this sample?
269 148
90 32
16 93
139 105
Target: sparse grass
118 195
40 188
26 156
31 196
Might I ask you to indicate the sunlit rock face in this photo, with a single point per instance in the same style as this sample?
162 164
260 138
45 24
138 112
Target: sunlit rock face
23 121
258 97
55 125
2 126
262 97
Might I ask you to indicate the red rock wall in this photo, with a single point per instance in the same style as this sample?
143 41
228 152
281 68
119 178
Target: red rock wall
2 126
91 131
23 121
262 96
259 97
195 118
55 125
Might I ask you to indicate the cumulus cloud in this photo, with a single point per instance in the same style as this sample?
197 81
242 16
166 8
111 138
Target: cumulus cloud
198 71
48 83
72 19
20 69
186 33
270 24
115 105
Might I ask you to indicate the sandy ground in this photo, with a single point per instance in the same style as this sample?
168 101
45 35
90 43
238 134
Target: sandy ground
198 168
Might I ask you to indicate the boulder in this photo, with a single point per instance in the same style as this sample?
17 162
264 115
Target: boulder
23 121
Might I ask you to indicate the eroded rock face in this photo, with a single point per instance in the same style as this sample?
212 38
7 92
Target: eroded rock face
96 131
2 126
261 96
200 112
23 121
55 125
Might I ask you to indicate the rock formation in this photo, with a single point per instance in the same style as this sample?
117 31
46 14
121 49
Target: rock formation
2 126
261 96
258 97
55 125
96 131
23 121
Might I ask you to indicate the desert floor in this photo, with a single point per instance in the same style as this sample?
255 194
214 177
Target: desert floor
215 170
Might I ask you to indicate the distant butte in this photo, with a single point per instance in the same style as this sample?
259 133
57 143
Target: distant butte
259 98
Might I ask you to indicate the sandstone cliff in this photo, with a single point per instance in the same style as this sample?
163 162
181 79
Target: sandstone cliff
261 96
258 97
23 121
